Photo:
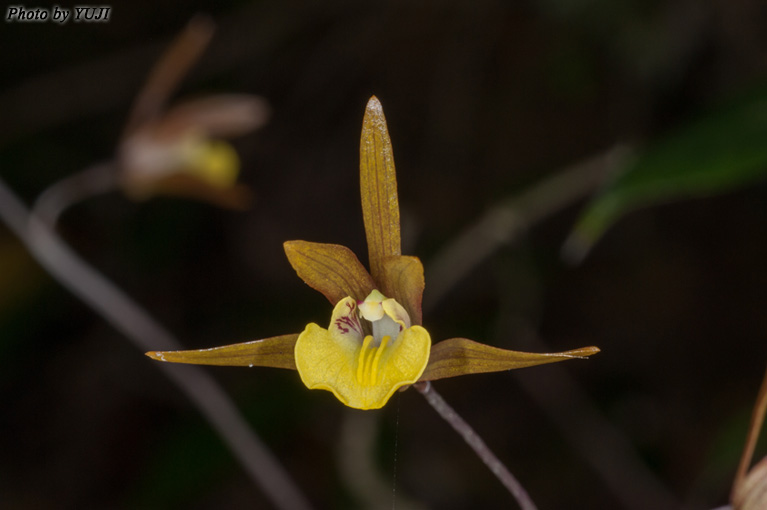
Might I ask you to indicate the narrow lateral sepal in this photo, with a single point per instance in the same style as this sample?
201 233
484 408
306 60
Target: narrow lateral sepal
276 352
461 356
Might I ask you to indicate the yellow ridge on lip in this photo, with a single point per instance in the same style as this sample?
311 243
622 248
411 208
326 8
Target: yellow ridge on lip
369 360
361 361
377 359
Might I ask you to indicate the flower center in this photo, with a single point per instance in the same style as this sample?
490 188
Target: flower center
388 319
385 315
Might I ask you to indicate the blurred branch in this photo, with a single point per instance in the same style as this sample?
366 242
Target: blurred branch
146 334
94 180
504 223
35 229
754 429
589 433
476 443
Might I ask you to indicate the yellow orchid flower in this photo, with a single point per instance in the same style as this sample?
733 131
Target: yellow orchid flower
374 343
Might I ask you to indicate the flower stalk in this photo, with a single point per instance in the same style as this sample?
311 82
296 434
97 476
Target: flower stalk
477 444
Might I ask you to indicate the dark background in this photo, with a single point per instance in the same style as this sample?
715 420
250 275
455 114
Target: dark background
483 99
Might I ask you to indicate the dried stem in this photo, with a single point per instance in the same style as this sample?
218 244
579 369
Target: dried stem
754 428
477 444
146 334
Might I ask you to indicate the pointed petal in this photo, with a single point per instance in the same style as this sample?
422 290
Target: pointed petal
403 280
274 352
378 187
461 356
331 269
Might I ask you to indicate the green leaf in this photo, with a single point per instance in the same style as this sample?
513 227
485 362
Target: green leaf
718 153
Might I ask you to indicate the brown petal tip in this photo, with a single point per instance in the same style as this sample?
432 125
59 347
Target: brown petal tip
584 352
374 105
156 355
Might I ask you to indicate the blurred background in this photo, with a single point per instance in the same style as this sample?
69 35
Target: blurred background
484 99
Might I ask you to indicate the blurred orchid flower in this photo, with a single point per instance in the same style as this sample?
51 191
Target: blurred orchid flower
374 343
182 153
180 150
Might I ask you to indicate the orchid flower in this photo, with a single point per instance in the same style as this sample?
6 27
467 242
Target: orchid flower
375 343
180 150
182 153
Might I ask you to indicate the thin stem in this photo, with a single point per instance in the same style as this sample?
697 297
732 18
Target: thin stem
476 443
582 424
754 428
94 180
146 334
